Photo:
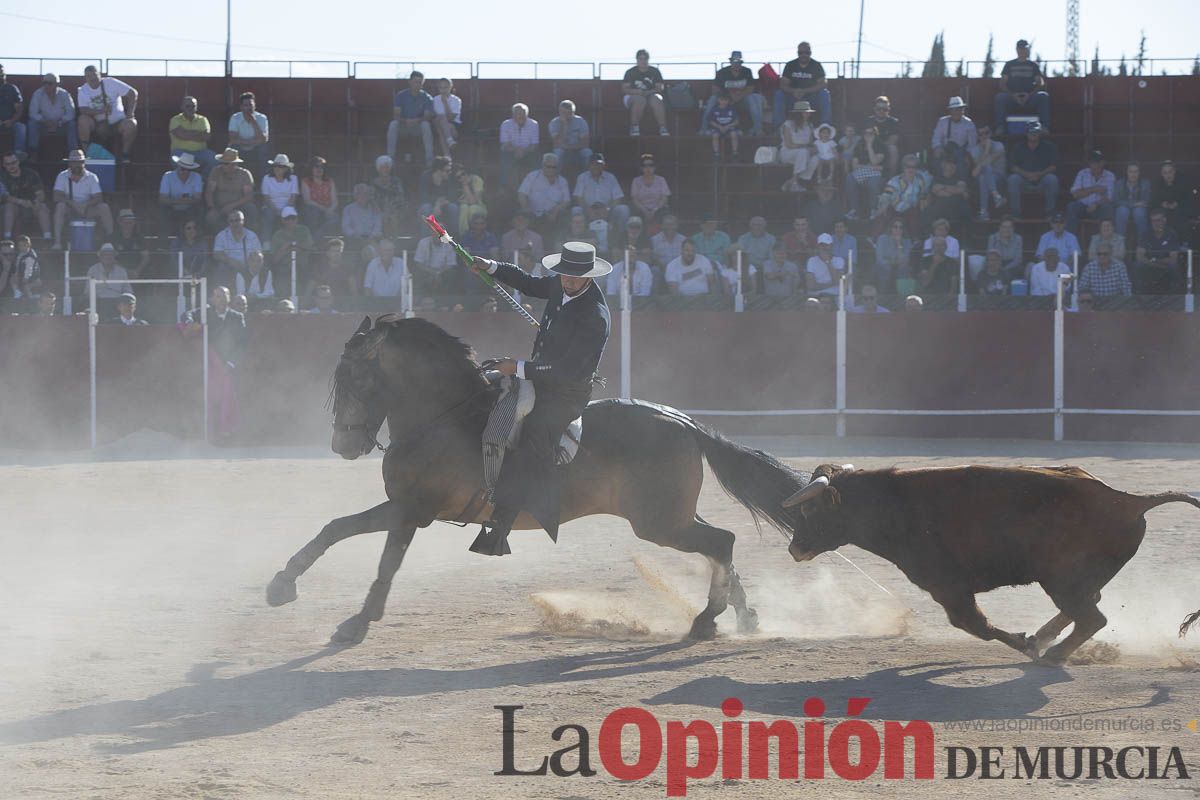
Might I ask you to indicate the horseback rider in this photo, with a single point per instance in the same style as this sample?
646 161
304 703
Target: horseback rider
566 353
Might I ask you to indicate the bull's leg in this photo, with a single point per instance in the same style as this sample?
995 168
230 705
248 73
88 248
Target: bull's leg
964 613
382 517
354 629
1050 631
1088 621
716 544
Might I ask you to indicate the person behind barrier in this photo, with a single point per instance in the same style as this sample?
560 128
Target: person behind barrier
127 311
115 280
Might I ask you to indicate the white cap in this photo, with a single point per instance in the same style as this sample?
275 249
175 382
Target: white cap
824 238
288 211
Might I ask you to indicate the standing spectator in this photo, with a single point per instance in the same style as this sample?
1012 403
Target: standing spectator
781 277
115 280
190 132
438 192
724 124
291 239
77 195
232 246
334 271
10 276
1172 196
226 344
190 251
712 243
519 140
181 193
824 270
479 241
1105 276
823 210
1008 244
385 273
826 151
249 134
598 185
571 137
889 131
229 188
26 196
412 117
865 179
690 274
470 195
642 280
803 78
1043 276
361 221
738 83
447 116
797 136
667 244
436 269
320 199
993 280
29 268
643 86
1032 167
939 271
1158 257
1132 198
870 301
255 282
904 194
649 192
800 241
544 194
280 190
389 194
1107 236
132 245
1021 90
948 196
106 108
1058 237
51 108
522 237
845 246
1093 192
988 158
954 134
893 257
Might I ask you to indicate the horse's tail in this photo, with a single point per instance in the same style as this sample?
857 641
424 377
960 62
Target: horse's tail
757 480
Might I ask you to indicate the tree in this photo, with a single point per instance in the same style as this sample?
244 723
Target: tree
989 63
935 67
959 71
1095 70
907 72
1141 55
1122 68
1196 66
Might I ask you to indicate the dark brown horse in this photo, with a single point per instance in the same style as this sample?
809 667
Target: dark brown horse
638 461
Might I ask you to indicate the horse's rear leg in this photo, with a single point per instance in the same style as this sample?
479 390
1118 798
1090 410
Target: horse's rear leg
716 545
282 589
747 617
353 630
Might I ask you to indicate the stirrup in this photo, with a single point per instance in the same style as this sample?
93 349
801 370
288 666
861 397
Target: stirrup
490 542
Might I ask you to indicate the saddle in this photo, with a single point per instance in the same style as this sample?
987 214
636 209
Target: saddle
503 429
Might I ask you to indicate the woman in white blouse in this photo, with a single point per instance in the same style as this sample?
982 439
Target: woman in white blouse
447 110
280 189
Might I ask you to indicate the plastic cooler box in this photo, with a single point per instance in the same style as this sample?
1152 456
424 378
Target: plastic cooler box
106 171
83 234
1015 124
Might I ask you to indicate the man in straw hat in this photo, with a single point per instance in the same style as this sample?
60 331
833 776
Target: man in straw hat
230 188
77 195
566 352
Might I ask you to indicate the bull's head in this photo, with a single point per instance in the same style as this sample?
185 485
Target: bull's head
817 526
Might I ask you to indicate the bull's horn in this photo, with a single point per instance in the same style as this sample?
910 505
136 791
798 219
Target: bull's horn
847 467
808 492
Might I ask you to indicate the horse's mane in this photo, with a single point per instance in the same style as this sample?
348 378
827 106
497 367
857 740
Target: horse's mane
426 335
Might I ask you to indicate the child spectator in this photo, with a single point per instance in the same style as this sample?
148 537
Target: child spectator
724 123
827 152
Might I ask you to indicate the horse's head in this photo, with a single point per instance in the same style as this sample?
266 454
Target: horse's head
358 405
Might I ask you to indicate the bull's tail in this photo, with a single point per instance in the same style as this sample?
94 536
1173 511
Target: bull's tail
757 480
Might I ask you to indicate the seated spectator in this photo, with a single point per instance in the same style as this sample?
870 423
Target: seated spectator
1043 276
478 240
571 137
412 117
522 237
914 303
334 271
803 78
190 132
470 195
51 109
280 190
250 133
105 110
190 251
823 209
643 87
864 181
291 239
1172 196
284 306
824 271
29 268
519 142
1032 165
323 301
800 241
229 188
781 277
954 134
826 152
938 273
994 279
988 170
642 280
756 244
447 116
231 247
667 244
115 280
845 246
870 301
436 269
690 274
544 194
254 281
133 248
598 185
649 192
47 304
847 143
240 303
361 221
597 223
320 199
1093 192
948 196
904 194
578 231
815 304
893 257
1021 90
731 283
438 193
181 193
739 84
724 126
1107 236
26 196
941 228
1105 276
389 194
797 137
1158 269
1010 247
712 243
385 273
635 237
127 311
1059 238
77 195
888 127
1132 200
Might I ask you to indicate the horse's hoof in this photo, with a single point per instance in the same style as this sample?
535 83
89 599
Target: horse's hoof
350 632
1054 657
747 621
281 590
703 630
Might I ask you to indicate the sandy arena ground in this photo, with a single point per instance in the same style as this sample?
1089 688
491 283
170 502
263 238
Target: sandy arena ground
141 661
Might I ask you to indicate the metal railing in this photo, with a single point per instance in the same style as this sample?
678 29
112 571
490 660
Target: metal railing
399 70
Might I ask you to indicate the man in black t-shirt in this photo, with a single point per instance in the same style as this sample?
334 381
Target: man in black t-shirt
1022 90
803 78
738 82
888 128
643 86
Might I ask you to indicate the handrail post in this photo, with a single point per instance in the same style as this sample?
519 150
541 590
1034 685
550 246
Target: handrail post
203 303
295 294
1075 281
1189 299
407 302
93 321
180 303
739 301
67 307
627 326
1058 358
962 280
840 366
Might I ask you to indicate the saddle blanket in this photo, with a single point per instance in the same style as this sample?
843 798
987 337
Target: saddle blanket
503 430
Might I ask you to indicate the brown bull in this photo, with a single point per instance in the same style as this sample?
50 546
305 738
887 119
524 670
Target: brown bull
958 531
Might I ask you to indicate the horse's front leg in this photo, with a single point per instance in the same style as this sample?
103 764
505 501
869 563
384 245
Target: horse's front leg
383 517
353 630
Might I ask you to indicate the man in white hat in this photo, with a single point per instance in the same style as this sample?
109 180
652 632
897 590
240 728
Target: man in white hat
114 278
954 134
566 353
181 192
51 109
77 195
